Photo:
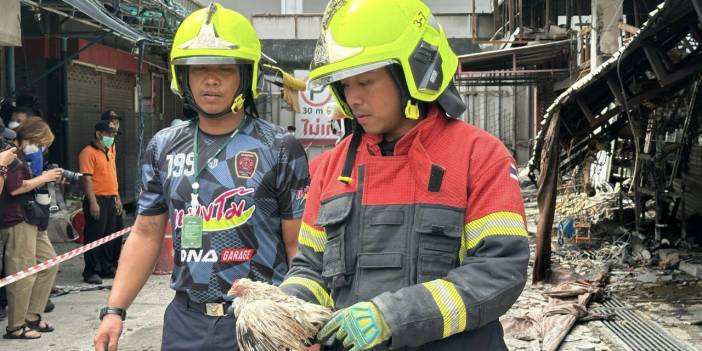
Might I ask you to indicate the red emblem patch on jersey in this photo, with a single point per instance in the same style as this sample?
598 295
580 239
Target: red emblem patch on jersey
246 163
236 255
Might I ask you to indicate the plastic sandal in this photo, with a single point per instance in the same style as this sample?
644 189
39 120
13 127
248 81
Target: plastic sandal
23 335
36 325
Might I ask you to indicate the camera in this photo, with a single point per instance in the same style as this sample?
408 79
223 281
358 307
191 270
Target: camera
70 176
7 144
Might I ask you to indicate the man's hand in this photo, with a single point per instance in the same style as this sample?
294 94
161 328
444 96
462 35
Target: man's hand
95 210
118 205
7 156
108 333
313 348
359 327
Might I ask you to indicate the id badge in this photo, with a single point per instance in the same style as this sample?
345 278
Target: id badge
191 234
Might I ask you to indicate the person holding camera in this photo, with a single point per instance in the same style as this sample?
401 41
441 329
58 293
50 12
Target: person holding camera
8 159
7 156
102 203
26 244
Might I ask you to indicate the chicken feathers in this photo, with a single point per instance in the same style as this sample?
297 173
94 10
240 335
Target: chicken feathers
267 319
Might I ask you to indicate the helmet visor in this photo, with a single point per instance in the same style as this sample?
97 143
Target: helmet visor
349 72
209 60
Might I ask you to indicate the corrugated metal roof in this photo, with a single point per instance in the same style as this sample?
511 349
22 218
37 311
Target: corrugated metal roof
594 86
523 55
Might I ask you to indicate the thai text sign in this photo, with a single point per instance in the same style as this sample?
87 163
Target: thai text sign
312 124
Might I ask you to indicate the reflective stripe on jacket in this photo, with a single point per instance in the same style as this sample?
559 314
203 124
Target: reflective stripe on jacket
434 235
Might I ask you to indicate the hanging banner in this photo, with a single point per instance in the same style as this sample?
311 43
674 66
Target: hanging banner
312 124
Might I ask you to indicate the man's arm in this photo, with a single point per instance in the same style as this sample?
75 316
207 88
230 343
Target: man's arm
136 263
90 194
118 204
86 163
291 227
141 251
137 259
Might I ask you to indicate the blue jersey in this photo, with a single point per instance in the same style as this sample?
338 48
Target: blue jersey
257 180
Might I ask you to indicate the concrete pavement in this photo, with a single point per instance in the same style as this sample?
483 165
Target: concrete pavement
76 315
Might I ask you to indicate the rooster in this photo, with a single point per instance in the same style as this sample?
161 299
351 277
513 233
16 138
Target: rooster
267 319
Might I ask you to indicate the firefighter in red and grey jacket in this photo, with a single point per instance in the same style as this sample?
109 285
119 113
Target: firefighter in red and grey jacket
414 227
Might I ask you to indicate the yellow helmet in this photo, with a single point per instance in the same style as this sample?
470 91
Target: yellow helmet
358 36
216 35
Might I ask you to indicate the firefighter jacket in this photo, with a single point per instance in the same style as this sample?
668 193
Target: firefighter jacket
434 236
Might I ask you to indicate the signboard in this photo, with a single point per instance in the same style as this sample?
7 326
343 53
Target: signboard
312 124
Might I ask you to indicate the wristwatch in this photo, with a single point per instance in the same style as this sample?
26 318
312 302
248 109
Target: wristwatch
3 171
113 310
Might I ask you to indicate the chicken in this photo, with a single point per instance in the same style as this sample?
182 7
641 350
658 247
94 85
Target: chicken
269 320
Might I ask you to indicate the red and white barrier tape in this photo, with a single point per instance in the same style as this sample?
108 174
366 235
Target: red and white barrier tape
60 258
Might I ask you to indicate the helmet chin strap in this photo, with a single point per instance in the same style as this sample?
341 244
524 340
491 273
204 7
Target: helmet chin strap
412 109
236 106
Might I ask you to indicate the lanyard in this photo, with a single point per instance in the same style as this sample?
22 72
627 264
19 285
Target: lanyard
198 170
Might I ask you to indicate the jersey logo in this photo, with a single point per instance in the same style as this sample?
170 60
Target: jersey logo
213 163
229 255
246 163
236 255
198 256
223 213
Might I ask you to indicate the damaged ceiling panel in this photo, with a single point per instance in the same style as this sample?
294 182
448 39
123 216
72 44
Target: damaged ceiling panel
631 127
661 58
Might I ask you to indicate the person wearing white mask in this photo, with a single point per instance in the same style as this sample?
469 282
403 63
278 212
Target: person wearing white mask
102 203
19 115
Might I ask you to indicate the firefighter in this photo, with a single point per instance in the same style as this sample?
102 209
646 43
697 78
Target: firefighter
414 227
230 184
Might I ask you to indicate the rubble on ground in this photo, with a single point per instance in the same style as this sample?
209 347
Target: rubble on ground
661 281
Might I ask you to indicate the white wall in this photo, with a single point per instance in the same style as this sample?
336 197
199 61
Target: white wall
459 6
437 6
250 7
10 32
287 26
269 26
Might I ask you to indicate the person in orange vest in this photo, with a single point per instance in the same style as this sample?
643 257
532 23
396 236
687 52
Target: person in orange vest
414 227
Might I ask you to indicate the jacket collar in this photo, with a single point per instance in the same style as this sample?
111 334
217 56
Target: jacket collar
422 133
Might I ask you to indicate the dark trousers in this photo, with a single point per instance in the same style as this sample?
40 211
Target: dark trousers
101 260
187 329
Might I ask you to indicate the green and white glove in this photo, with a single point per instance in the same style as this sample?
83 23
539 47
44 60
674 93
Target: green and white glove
361 326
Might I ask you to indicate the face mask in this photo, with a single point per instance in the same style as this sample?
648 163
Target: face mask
30 149
108 141
12 124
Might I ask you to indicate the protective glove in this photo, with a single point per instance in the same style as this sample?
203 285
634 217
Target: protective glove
361 326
